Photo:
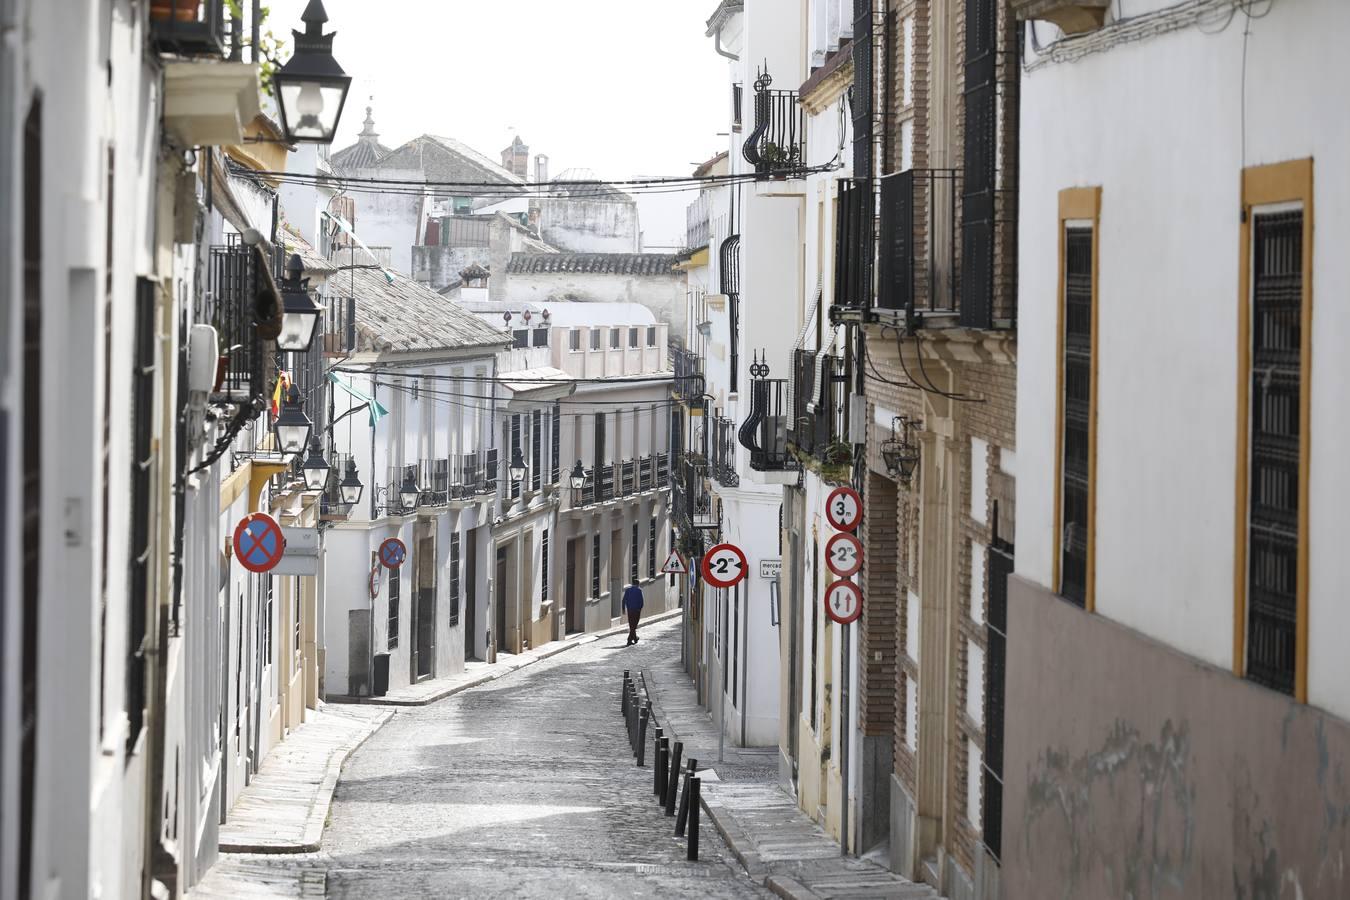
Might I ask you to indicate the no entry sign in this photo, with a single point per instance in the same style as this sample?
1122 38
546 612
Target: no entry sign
843 509
724 566
258 544
843 554
843 602
392 553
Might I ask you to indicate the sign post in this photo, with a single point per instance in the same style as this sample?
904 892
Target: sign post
724 567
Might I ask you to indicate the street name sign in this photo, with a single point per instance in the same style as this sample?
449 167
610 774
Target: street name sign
724 566
770 568
843 602
843 509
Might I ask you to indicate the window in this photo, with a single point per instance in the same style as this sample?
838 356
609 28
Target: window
1275 448
269 610
1076 402
296 605
543 568
454 578
633 547
536 448
815 632
522 338
574 340
651 549
511 454
556 436
595 565
651 335
614 339
143 399
393 607
632 338
595 338
540 338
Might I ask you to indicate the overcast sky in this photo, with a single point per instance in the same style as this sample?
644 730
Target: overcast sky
623 87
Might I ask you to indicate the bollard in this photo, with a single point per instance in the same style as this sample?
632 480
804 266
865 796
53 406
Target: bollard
662 762
682 819
693 819
656 759
673 779
623 695
642 737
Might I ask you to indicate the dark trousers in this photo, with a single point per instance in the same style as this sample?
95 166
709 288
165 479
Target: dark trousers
633 616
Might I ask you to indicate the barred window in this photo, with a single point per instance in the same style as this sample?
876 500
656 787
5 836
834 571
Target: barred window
521 337
651 549
633 546
557 439
632 338
595 565
574 339
393 607
454 578
614 339
536 448
543 569
651 335
595 338
511 454
1077 400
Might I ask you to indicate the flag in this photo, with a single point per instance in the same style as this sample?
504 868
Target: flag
279 392
377 411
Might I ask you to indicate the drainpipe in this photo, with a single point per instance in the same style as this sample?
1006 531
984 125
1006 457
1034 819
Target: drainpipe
717 45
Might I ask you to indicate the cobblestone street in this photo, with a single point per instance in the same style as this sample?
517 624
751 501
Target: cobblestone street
521 788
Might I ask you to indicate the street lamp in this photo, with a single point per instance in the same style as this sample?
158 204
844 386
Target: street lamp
577 478
408 494
292 426
351 486
900 455
517 465
315 467
311 88
299 313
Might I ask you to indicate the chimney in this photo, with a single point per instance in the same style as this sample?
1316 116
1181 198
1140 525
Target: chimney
540 169
516 159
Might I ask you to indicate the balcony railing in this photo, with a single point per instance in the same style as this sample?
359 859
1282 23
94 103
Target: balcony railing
722 463
189 27
698 222
919 247
236 280
819 401
626 478
765 431
330 501
688 365
460 476
777 145
692 501
339 326
854 248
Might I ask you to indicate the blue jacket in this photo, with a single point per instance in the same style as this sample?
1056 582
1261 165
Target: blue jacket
632 597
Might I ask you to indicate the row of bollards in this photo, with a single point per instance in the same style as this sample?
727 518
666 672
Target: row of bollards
666 758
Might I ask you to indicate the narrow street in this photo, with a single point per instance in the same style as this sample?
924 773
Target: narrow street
521 788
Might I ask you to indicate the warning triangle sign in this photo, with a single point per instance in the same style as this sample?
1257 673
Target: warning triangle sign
675 565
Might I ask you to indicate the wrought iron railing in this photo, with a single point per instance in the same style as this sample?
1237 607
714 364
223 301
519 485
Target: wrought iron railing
461 476
919 245
339 326
189 27
722 462
819 401
777 145
236 281
625 478
765 431
688 384
692 501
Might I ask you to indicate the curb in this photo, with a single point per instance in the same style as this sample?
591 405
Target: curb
782 886
549 650
324 799
737 841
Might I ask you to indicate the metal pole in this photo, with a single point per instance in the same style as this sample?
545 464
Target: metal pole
642 736
656 759
844 742
721 687
683 817
673 777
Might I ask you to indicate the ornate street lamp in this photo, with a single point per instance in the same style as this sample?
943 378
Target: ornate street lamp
311 88
351 486
292 427
299 313
517 465
577 478
900 455
315 466
408 493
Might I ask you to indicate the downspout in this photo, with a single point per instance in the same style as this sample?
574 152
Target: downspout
717 45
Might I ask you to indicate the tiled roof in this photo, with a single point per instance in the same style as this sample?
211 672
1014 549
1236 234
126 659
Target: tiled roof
361 155
406 316
592 263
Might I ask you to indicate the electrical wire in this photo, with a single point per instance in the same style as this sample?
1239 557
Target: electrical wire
506 379
932 388
867 358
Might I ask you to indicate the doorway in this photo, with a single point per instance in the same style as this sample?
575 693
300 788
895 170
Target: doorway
471 601
499 624
575 620
423 661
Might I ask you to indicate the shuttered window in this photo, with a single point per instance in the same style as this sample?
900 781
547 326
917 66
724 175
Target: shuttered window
651 549
143 413
556 437
393 607
1077 401
543 568
595 565
634 547
536 448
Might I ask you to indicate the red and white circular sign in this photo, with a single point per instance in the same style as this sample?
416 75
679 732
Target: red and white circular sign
843 554
374 582
724 566
843 602
843 509
258 543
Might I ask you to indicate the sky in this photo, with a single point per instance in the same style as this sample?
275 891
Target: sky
622 87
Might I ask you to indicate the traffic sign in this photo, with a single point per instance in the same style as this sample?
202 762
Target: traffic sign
258 543
392 553
675 564
374 581
843 602
844 508
724 566
843 554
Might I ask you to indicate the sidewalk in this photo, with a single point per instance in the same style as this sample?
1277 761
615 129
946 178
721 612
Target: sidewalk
284 807
476 673
776 843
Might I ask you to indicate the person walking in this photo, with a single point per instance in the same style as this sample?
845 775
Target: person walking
632 603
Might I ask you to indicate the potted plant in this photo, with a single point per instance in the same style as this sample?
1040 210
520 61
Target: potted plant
178 10
837 453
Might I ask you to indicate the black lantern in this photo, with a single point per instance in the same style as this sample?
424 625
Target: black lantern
517 465
311 88
292 426
299 313
351 486
408 494
900 455
577 478
315 467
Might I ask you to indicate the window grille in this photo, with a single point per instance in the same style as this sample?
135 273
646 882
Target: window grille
393 607
595 566
454 579
536 448
521 337
297 605
269 610
540 337
1275 427
614 339
515 446
557 440
633 547
651 549
595 338
1077 399
143 404
651 335
1000 567
632 338
543 568
574 339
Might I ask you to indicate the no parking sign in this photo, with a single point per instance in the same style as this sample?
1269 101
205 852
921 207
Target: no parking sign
258 543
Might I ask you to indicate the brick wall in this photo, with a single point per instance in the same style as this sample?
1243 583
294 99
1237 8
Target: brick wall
878 632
